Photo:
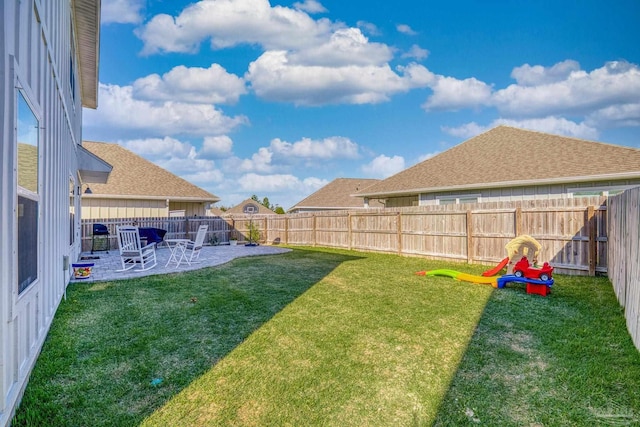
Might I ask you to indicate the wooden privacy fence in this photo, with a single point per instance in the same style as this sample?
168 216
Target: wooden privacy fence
624 256
573 232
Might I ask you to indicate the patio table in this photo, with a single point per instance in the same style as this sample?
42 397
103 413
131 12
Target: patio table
177 247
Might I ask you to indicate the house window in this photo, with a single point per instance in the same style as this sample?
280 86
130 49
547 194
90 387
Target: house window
452 200
447 201
587 193
72 211
27 131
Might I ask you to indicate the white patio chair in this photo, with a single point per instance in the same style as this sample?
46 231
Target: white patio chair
192 251
132 252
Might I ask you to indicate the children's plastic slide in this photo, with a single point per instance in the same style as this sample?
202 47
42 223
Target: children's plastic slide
493 281
497 268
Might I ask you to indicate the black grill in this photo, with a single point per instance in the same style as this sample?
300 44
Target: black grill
102 233
100 230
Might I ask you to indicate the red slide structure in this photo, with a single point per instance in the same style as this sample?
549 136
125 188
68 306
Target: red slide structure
497 268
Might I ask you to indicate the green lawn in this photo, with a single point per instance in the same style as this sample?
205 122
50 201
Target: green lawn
334 338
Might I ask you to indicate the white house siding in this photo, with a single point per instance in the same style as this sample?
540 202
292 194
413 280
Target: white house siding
35 55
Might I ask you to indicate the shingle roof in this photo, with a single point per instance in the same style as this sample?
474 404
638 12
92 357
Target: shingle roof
338 195
133 176
505 157
239 208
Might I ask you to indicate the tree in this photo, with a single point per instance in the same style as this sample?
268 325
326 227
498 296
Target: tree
279 210
265 202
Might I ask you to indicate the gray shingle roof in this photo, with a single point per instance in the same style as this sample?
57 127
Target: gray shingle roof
133 176
505 157
338 195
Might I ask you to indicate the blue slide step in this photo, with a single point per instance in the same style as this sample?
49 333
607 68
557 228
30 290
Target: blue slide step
511 278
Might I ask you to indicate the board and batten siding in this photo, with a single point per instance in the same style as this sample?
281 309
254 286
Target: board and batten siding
36 60
97 207
93 208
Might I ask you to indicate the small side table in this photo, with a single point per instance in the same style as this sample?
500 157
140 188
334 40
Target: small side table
177 247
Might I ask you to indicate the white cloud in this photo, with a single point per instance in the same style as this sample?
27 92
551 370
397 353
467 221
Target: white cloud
180 158
345 47
121 11
273 78
452 94
310 6
405 29
159 147
528 75
551 124
384 166
369 28
558 99
260 161
119 111
211 85
230 23
416 52
555 125
207 177
616 116
328 148
278 183
467 130
216 146
580 93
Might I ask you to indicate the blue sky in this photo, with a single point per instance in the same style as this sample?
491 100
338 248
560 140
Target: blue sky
277 99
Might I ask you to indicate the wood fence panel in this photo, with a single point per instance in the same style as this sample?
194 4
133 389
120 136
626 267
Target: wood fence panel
332 230
490 232
435 234
375 232
623 260
300 230
276 229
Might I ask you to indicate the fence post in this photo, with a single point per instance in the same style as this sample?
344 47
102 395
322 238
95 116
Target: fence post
350 230
266 231
399 227
286 230
517 226
592 240
469 237
313 231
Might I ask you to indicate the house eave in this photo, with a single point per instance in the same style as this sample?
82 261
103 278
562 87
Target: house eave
147 197
91 168
503 184
86 17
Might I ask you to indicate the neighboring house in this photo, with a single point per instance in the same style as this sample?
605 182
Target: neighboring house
214 211
506 164
338 195
138 188
49 69
249 207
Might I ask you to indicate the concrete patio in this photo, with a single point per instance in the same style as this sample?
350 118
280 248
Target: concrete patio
106 265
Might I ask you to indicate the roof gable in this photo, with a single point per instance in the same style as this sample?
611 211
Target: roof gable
248 205
338 194
506 156
134 176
